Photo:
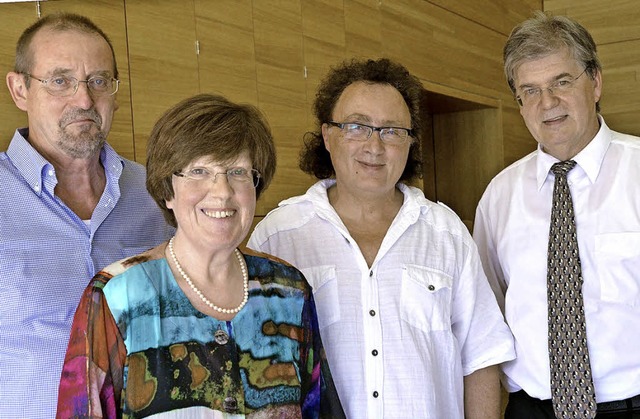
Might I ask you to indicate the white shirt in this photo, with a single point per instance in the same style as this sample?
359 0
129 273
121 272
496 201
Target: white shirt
400 335
512 231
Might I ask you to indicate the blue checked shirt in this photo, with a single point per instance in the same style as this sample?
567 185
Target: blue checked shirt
47 257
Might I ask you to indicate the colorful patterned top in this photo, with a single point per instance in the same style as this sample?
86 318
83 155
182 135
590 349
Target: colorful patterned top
138 348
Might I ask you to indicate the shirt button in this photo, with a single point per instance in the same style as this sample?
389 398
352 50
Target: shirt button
431 288
370 274
372 313
374 352
375 394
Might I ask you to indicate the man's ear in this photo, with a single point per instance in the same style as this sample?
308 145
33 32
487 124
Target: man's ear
17 87
325 137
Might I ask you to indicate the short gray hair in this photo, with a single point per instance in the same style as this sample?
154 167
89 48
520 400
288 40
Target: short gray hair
543 35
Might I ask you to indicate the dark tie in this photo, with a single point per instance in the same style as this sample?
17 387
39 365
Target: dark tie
572 389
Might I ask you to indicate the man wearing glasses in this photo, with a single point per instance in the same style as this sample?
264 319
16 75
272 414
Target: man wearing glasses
559 235
408 321
70 204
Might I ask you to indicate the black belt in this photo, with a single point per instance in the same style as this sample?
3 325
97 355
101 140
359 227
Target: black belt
628 405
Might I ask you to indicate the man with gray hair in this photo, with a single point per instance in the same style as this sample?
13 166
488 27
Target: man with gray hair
559 235
70 204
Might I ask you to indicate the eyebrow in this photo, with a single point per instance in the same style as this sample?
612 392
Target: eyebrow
556 78
60 71
358 118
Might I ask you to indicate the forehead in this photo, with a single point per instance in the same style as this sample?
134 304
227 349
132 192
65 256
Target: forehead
241 159
71 50
541 70
372 102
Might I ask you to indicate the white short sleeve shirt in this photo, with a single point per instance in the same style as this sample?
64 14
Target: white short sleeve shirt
401 334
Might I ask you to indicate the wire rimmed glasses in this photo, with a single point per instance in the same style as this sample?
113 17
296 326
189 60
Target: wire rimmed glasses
68 85
532 95
236 176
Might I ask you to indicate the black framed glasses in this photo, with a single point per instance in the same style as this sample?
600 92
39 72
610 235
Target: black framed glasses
68 86
354 131
236 176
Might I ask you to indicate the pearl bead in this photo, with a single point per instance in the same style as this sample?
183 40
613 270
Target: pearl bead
245 279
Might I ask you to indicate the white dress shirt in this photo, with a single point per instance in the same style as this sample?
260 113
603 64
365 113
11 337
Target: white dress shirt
512 231
400 335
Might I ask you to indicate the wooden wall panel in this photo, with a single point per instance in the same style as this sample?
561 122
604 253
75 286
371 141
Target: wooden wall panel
163 61
444 48
279 61
289 179
362 20
281 89
14 18
462 139
324 43
620 103
465 137
498 15
227 61
608 22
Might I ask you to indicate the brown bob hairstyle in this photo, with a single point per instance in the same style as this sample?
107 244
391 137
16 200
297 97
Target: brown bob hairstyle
206 125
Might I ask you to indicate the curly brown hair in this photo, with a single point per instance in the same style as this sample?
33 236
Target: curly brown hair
314 157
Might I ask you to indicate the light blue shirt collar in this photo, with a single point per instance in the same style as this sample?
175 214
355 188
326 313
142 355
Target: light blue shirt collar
37 171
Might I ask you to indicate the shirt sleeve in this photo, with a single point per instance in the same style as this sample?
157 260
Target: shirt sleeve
477 320
488 255
92 375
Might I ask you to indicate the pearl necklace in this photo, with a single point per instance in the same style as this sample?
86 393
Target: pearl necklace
245 278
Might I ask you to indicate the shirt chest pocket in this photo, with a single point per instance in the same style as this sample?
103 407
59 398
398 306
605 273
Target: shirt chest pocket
425 299
618 262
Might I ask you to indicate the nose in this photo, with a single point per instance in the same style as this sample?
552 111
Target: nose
83 97
374 144
221 187
548 98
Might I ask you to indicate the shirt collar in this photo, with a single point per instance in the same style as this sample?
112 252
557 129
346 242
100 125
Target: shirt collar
33 167
414 200
589 159
27 160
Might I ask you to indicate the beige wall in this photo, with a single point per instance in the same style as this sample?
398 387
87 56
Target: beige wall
273 52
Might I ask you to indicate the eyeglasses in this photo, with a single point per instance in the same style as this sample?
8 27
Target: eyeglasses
236 176
532 95
68 86
361 132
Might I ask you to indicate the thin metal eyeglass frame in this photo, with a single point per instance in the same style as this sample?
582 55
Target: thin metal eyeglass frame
549 88
255 176
45 82
372 129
